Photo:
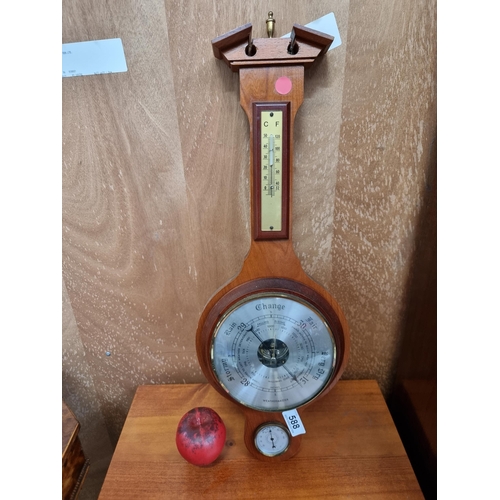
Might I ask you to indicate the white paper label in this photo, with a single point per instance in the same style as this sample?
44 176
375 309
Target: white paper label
295 425
326 24
93 58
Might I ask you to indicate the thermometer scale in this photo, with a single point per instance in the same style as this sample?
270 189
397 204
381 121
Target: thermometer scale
271 214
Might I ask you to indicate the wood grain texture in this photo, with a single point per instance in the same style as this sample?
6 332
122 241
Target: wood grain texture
388 126
156 184
125 218
80 393
351 450
413 401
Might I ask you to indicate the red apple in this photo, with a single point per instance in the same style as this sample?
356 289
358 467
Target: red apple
200 436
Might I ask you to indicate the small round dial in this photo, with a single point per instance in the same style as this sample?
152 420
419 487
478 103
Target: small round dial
272 439
273 352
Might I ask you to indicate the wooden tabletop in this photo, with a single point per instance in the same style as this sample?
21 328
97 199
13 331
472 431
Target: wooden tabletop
351 449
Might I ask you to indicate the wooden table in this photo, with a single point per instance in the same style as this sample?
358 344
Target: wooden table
351 450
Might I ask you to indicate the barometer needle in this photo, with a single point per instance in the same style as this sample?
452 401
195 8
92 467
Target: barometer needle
272 439
253 331
291 374
274 343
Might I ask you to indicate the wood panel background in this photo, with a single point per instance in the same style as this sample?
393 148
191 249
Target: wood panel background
156 196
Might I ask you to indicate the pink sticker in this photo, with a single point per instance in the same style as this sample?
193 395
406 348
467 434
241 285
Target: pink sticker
283 85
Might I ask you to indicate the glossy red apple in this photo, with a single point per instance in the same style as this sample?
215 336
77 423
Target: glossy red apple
200 436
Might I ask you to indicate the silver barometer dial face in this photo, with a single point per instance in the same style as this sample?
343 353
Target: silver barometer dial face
272 439
273 352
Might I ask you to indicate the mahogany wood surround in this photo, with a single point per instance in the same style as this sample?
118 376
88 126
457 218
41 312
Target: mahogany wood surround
271 264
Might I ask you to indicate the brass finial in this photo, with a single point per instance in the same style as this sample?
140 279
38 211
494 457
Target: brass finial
270 24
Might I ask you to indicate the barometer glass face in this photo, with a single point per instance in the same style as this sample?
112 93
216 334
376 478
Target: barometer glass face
273 352
272 439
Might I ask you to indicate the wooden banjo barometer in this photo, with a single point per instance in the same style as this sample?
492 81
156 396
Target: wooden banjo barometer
272 340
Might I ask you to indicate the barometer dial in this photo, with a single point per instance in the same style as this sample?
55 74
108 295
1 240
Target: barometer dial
273 352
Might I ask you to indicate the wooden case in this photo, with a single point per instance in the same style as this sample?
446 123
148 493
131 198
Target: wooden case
74 464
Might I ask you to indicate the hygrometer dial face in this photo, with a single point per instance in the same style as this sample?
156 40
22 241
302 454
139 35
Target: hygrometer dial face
273 352
272 439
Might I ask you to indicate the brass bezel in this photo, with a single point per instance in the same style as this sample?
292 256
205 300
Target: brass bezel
286 295
275 424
